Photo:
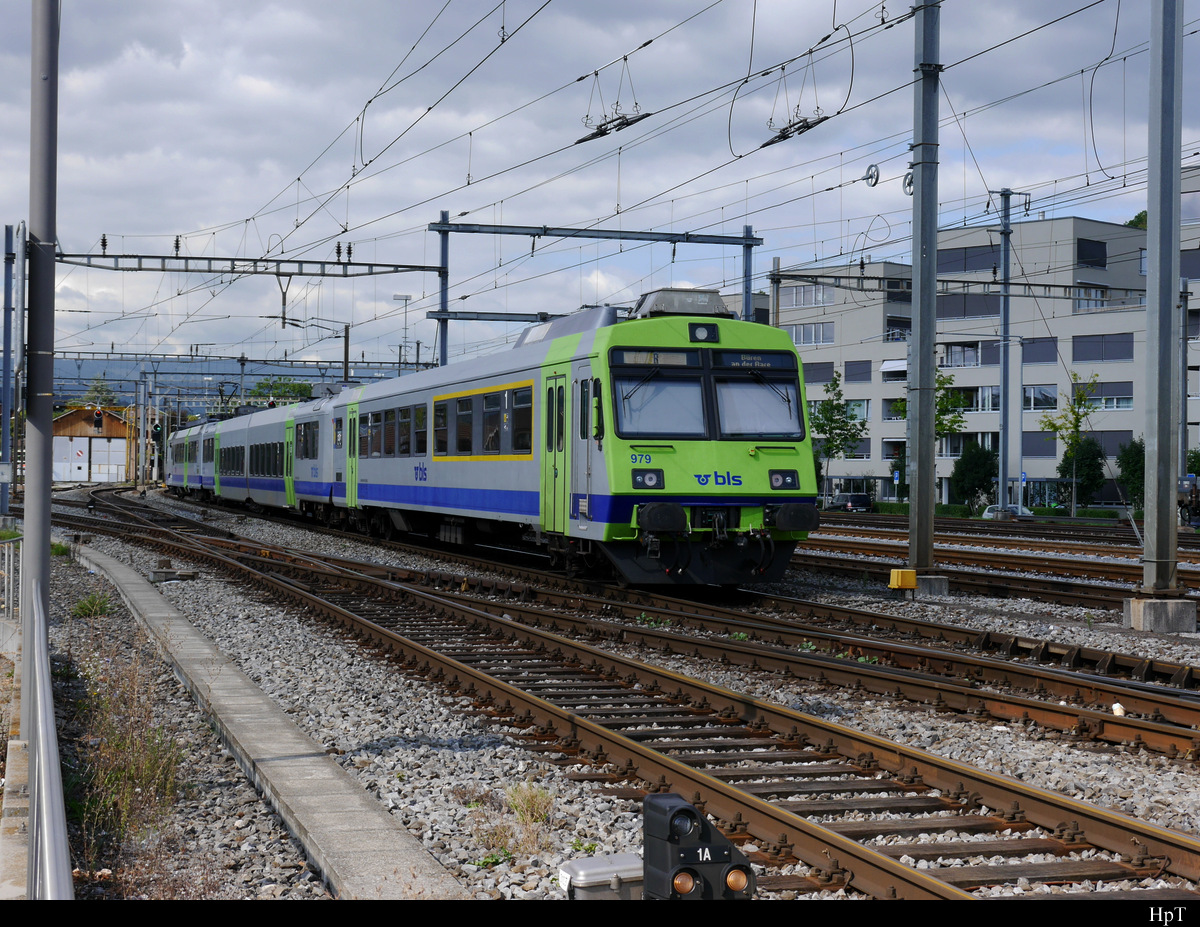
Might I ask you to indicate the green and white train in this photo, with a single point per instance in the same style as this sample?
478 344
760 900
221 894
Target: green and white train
670 447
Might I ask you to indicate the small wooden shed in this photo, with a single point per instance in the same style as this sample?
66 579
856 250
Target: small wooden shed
93 445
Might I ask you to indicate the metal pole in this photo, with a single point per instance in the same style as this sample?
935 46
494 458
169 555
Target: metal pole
775 292
1005 342
39 442
346 355
747 274
6 384
921 379
443 324
1163 404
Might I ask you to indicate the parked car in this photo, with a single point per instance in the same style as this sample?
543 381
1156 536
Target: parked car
850 502
1014 509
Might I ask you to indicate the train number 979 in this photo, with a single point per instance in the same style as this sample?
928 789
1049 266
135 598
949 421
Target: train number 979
639 458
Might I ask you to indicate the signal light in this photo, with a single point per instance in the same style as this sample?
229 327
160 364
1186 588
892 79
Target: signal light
98 420
686 858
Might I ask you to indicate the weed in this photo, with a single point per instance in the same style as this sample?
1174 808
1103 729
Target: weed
739 636
495 858
580 847
58 549
868 659
530 803
807 646
92 605
643 619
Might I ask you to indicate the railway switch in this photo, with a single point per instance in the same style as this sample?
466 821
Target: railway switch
686 858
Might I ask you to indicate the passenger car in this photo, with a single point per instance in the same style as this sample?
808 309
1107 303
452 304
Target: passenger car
670 445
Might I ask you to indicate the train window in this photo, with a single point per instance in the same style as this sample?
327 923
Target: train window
364 437
420 430
389 433
465 422
522 423
337 432
375 435
550 418
584 412
561 417
404 433
441 437
491 423
598 406
758 406
652 405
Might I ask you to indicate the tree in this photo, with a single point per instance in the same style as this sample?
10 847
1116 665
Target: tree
1085 465
974 474
281 388
1139 221
831 419
1067 425
99 393
948 405
1131 462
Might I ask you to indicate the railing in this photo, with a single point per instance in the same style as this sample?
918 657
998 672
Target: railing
48 868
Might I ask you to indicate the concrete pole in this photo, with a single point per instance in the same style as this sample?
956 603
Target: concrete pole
1163 388
921 373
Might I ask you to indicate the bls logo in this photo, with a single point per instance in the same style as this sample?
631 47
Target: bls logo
420 473
718 479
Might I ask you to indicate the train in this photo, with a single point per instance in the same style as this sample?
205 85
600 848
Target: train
667 444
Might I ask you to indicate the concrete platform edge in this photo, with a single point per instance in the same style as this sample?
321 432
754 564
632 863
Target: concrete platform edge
286 766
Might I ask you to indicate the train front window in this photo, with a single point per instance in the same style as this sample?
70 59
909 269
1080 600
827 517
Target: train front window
757 406
650 404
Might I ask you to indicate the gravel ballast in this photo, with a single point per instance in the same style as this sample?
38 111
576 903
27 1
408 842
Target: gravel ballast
447 776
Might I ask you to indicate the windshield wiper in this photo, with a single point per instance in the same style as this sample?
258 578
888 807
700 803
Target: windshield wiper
625 397
782 394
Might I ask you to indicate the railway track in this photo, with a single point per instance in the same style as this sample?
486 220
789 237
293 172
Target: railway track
668 731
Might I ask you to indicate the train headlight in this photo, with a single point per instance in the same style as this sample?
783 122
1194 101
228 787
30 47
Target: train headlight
706 332
785 479
647 479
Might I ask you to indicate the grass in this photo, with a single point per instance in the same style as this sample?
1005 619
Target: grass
92 605
58 549
125 779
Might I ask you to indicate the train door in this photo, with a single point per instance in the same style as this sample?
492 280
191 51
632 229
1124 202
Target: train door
352 455
581 458
556 483
289 462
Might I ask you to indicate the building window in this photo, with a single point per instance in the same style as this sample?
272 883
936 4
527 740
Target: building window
1040 398
811 333
858 371
861 451
1090 299
971 354
950 446
1039 444
1111 441
821 372
979 398
805 297
1091 253
859 409
1039 350
1113 347
893 410
1112 397
1143 262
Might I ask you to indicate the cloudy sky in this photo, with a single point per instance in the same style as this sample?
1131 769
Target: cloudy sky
283 129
